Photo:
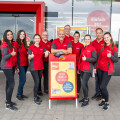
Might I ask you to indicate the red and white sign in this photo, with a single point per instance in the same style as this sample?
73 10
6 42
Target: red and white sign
60 1
98 18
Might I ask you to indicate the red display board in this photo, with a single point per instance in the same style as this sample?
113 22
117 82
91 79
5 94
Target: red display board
62 77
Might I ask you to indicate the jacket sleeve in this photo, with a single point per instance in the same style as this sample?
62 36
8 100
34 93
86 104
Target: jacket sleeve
114 57
5 54
93 57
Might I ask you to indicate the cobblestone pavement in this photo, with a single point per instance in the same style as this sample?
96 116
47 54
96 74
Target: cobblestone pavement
61 109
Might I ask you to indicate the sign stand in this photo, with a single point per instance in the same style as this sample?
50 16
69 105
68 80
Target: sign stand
62 78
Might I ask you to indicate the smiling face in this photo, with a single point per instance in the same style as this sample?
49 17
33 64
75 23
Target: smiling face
44 36
76 37
99 34
67 30
107 39
87 40
61 35
37 39
22 35
9 36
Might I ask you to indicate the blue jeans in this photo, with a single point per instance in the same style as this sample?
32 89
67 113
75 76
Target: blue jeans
22 79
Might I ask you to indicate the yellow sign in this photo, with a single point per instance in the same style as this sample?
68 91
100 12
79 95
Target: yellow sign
62 79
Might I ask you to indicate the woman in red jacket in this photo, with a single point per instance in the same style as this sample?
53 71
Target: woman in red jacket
87 58
8 65
22 62
105 67
77 46
35 55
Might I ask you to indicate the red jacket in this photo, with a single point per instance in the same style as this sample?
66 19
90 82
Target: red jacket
8 61
47 46
91 56
76 50
105 63
22 55
97 45
71 38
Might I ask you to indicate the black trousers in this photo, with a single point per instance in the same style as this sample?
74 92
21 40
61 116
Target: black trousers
85 77
104 79
10 83
97 86
78 81
37 75
45 75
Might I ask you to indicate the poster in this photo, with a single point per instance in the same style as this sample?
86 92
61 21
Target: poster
62 77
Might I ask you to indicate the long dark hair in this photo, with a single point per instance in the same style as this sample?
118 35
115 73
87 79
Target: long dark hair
111 41
19 40
6 40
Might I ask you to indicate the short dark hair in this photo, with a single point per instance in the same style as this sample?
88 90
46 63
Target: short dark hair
99 29
88 36
36 35
76 32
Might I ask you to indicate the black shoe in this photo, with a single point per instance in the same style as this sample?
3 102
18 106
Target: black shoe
37 101
39 98
46 91
40 93
86 102
82 100
102 103
19 97
106 106
99 98
95 96
23 96
12 103
11 107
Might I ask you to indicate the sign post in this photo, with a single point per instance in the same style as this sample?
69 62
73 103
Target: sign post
62 77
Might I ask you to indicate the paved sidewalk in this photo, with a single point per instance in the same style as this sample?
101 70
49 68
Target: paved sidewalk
61 109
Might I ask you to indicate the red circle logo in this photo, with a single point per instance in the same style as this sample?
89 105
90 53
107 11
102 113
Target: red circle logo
98 18
60 1
61 77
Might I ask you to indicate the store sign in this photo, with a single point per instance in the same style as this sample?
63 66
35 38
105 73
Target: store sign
98 18
62 77
60 1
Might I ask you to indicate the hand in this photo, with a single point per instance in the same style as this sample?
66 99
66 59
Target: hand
17 70
84 58
109 55
65 52
13 53
78 72
95 71
46 54
32 55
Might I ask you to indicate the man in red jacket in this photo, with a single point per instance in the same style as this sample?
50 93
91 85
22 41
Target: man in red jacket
67 33
98 44
46 45
61 45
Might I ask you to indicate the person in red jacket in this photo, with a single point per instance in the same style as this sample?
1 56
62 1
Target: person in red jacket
85 66
67 33
8 65
47 45
77 46
105 67
22 62
61 45
35 55
98 44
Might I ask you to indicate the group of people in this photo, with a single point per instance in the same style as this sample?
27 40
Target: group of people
98 56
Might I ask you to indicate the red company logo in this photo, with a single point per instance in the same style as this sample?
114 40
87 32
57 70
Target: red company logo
98 18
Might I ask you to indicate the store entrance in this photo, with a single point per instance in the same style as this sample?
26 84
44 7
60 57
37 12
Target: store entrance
16 22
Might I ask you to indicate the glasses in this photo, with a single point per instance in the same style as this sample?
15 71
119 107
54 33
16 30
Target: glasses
45 35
